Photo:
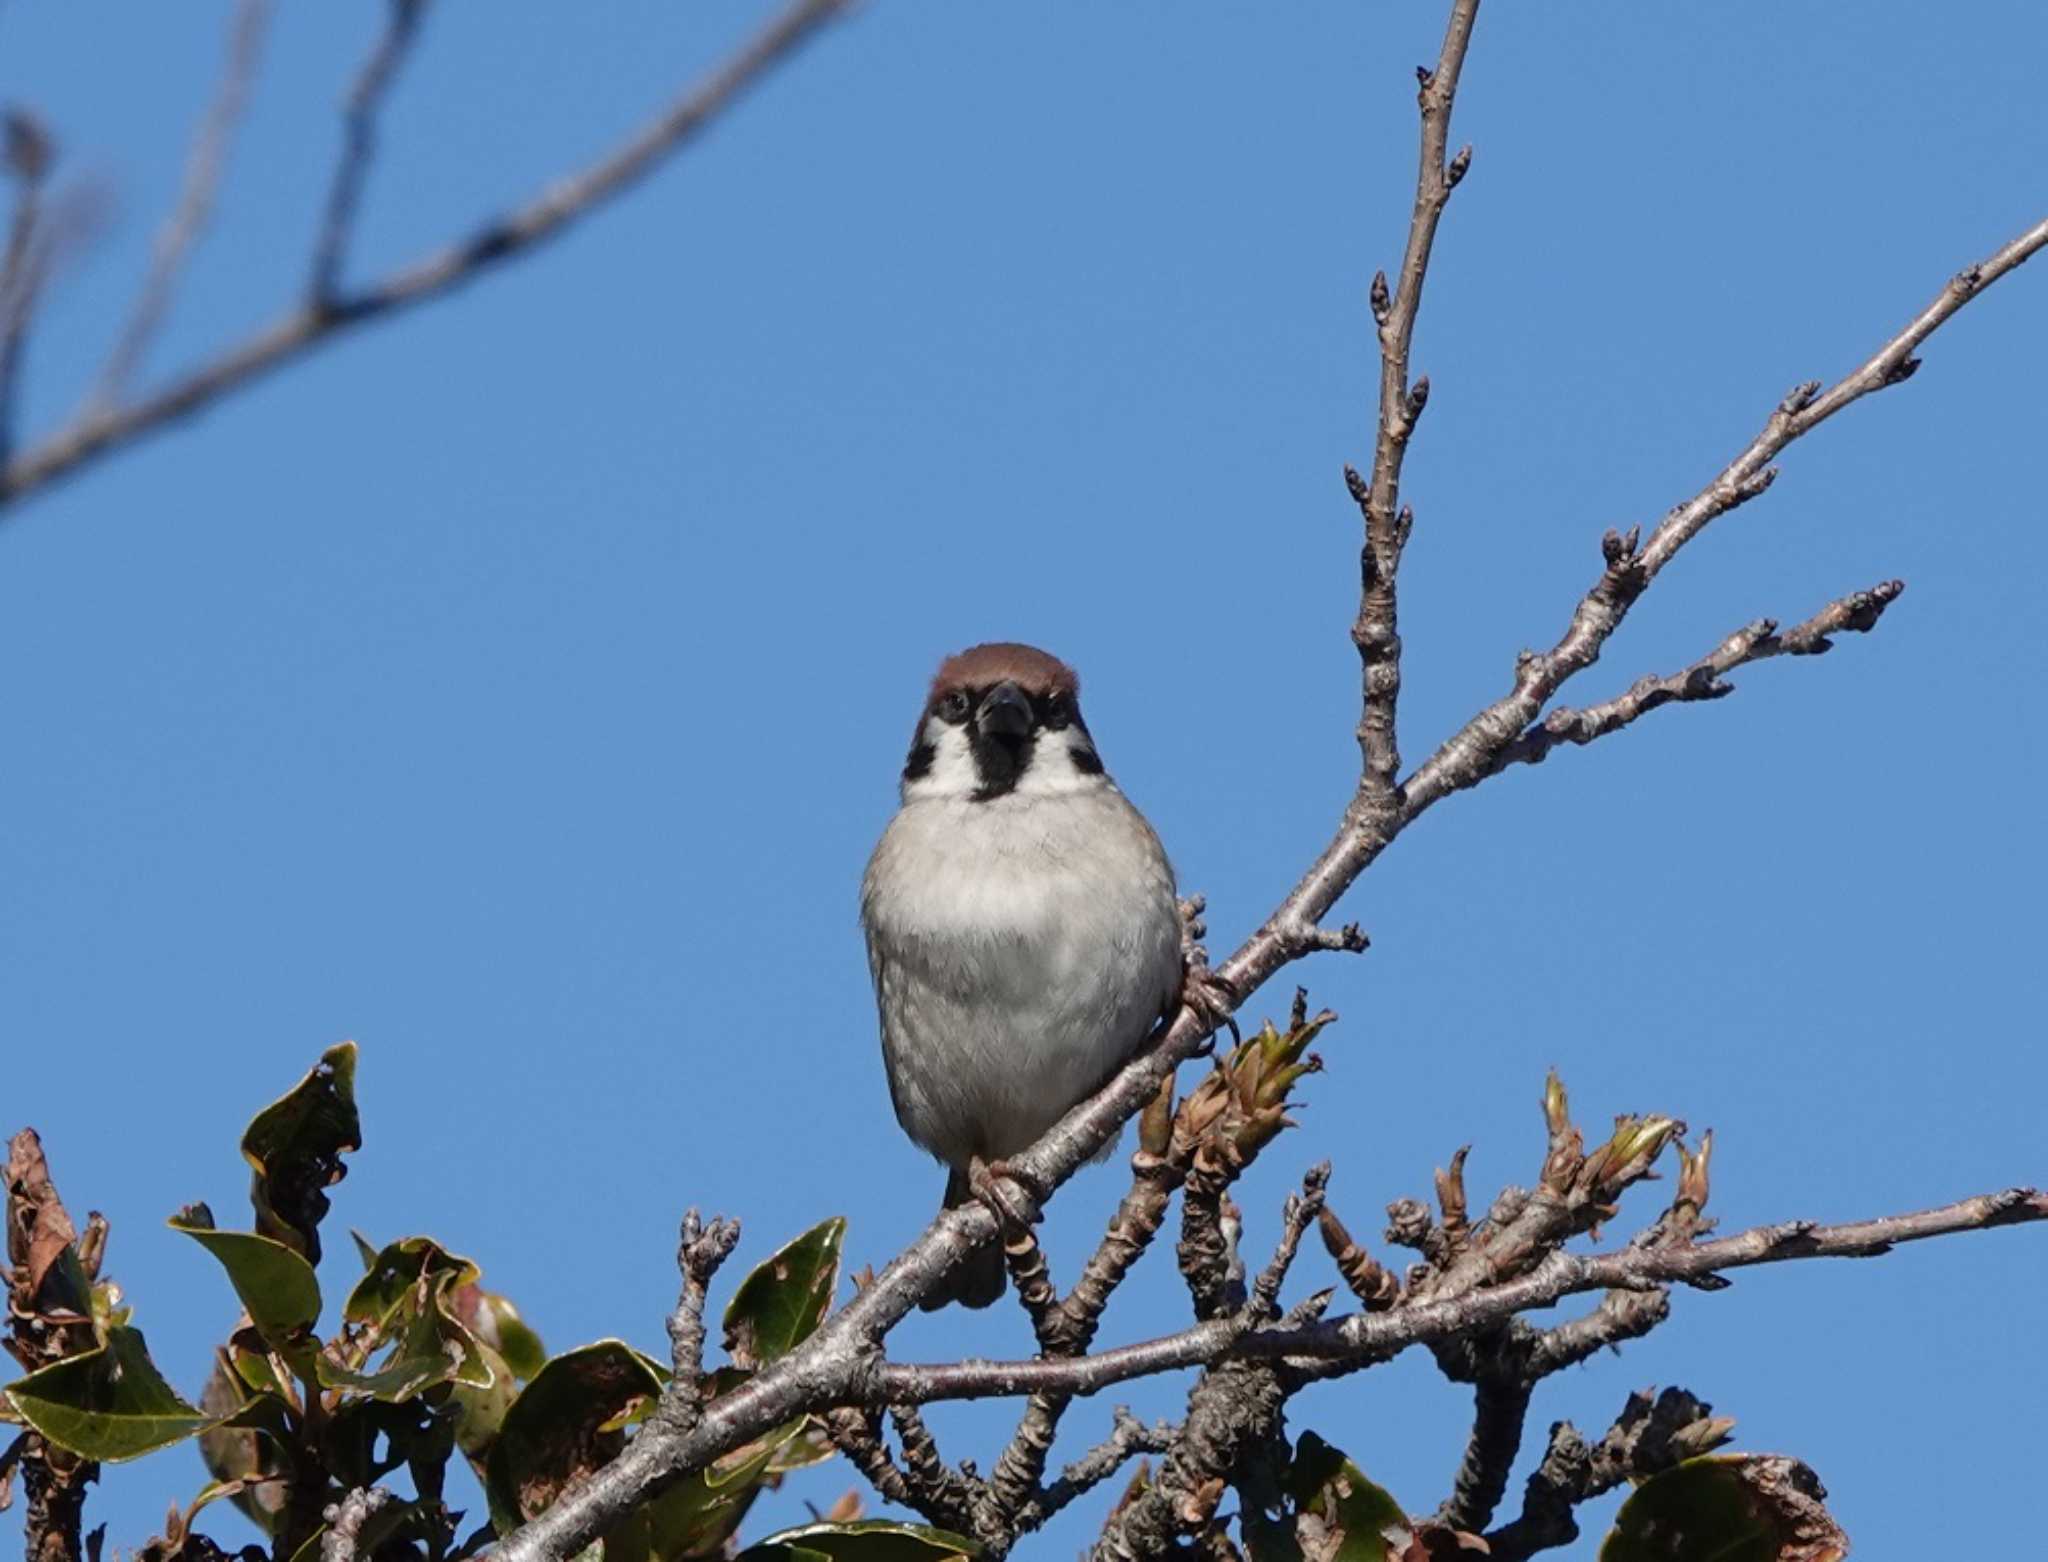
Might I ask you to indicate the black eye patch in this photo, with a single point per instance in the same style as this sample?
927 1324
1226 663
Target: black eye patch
953 708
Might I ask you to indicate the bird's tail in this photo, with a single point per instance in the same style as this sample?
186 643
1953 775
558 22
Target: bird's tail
977 1280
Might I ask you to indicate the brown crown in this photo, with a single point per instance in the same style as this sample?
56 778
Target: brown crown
1032 670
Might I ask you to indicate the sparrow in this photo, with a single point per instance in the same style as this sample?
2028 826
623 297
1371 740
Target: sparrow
1022 926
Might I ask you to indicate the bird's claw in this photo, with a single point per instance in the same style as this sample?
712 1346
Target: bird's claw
1212 997
996 1186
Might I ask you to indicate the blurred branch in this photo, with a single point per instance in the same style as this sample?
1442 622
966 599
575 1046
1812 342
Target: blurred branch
27 153
98 433
203 168
359 146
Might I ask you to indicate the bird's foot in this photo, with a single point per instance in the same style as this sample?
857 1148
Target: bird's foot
1010 1194
1213 997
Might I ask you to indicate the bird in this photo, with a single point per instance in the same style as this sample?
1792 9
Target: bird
1023 927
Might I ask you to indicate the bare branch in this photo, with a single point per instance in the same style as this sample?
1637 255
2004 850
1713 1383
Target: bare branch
1649 1436
1376 632
1373 1335
700 1250
204 165
1703 680
1129 1438
28 153
549 214
841 1363
858 1435
359 147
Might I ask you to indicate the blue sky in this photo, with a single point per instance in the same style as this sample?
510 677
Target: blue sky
519 689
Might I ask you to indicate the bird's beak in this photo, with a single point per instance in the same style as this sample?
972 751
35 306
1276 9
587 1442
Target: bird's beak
1005 712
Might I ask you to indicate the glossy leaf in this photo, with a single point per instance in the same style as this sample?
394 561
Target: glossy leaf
109 1403
784 1299
864 1540
565 1424
495 1321
295 1146
429 1348
1337 1514
1727 1508
480 1411
406 1270
277 1286
244 1443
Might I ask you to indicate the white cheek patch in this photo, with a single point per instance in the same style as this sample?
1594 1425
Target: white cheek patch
951 772
1053 772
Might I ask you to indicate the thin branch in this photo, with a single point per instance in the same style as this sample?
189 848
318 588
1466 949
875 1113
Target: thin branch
858 1435
841 1362
1129 1438
1472 754
359 147
204 165
1703 680
1376 632
1649 1436
1375 1335
700 1251
28 153
936 1489
546 216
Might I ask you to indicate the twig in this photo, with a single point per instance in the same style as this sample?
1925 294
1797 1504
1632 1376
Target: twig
1472 753
359 146
1365 1335
345 1521
1649 1436
1129 1438
935 1488
28 153
1857 612
858 1435
546 216
839 1363
700 1250
1376 633
204 165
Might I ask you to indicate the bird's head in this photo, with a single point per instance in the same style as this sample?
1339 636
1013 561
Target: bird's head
1001 720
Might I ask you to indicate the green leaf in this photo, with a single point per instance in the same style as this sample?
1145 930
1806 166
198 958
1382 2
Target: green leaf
406 1270
565 1424
430 1348
782 1301
295 1146
364 1250
866 1540
246 1444
276 1285
109 1403
1353 1520
480 1411
495 1321
1727 1508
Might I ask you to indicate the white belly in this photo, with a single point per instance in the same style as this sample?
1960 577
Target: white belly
1022 948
